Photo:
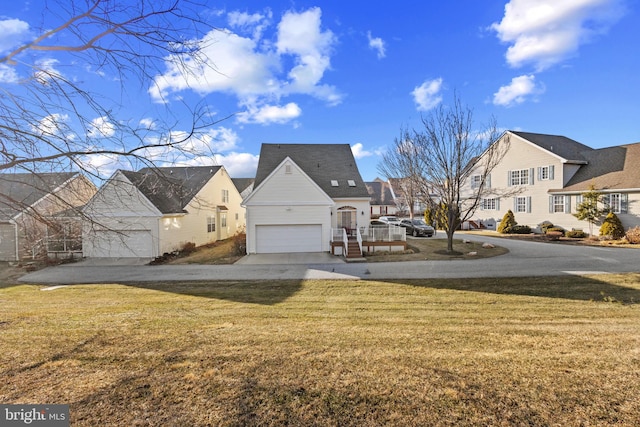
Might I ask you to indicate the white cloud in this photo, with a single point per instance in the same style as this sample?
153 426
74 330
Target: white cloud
147 123
359 152
427 95
8 74
13 32
239 165
546 32
46 70
517 91
254 69
101 127
53 125
377 44
267 114
254 23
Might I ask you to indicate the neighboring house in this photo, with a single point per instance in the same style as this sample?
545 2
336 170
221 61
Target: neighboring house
302 192
408 193
30 204
159 210
383 199
243 185
542 178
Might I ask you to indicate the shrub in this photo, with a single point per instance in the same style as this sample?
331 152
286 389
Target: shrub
544 226
187 248
507 223
612 227
520 229
555 229
576 234
240 243
633 235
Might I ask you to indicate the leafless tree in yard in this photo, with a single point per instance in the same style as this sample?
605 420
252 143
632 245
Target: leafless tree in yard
52 120
450 160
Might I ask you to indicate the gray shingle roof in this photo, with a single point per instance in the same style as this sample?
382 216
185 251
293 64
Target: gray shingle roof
562 146
170 189
321 162
380 193
242 183
18 191
608 168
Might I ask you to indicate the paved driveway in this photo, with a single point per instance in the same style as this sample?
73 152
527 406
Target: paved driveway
524 259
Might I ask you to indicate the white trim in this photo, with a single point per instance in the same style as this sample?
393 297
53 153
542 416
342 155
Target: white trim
247 200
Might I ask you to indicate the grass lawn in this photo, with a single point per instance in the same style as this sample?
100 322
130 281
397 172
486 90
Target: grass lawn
553 351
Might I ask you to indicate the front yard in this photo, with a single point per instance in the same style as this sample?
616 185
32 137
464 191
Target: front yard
431 352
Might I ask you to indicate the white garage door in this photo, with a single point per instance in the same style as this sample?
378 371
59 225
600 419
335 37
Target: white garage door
288 238
125 244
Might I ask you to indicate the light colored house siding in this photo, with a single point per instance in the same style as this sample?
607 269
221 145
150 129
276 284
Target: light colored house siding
176 230
118 206
8 242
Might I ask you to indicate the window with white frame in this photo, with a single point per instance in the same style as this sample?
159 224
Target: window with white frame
557 204
211 224
225 196
519 177
615 202
545 173
223 220
522 204
476 180
490 204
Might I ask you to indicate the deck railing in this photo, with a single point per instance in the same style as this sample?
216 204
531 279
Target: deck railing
383 233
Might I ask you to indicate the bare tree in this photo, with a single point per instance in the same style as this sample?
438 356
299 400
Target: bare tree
51 120
450 160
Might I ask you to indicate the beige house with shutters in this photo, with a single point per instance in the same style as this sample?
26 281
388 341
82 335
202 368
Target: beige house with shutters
542 178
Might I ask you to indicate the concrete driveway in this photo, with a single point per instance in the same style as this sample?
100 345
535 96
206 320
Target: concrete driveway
524 259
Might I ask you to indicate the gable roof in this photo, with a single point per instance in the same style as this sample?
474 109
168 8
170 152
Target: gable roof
608 168
323 163
568 149
171 189
380 193
242 183
19 191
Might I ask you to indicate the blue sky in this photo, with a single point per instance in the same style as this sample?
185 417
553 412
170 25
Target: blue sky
349 72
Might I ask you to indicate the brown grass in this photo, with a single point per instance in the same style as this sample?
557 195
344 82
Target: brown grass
563 351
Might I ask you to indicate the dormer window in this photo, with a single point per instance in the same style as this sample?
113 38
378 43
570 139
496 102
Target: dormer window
334 183
351 183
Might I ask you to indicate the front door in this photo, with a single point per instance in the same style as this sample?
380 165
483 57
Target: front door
347 219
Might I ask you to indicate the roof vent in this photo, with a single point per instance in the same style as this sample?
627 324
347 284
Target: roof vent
334 183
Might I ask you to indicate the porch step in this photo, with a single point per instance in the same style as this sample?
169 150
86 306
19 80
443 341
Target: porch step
354 250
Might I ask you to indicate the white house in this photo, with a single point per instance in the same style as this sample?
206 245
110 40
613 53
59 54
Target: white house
302 192
157 210
29 203
542 178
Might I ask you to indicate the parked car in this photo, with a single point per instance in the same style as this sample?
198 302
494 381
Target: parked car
417 227
393 220
377 222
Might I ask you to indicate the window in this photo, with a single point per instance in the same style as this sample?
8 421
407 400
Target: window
616 202
522 204
223 220
558 204
476 180
211 224
545 173
225 196
490 204
351 183
334 183
520 177
237 216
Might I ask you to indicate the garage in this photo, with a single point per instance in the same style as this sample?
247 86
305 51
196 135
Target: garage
288 238
123 244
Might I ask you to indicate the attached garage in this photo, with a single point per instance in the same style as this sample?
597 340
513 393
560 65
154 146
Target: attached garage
288 238
121 244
